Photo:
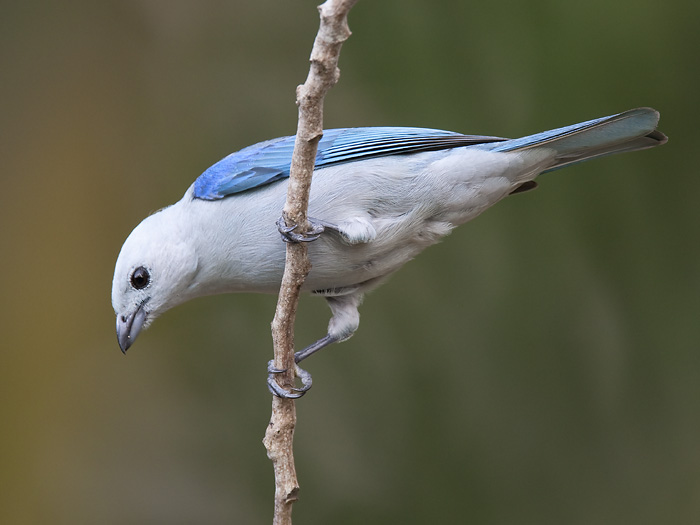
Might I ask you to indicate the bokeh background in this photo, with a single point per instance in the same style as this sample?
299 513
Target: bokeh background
540 365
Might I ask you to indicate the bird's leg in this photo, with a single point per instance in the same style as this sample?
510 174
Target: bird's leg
288 234
342 325
352 230
313 348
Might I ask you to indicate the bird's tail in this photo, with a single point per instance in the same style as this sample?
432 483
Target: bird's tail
629 131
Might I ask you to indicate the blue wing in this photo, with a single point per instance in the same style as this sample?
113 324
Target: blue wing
267 162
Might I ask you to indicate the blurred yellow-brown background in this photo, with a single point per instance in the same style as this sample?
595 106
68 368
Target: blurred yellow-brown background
539 366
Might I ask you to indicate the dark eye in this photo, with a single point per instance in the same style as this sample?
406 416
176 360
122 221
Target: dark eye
140 278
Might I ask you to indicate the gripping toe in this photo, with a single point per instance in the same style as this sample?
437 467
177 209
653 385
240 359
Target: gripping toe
294 392
289 235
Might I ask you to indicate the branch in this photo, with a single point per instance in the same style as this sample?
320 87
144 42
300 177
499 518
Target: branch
323 74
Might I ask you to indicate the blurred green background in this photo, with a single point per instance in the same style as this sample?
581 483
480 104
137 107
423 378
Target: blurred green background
540 365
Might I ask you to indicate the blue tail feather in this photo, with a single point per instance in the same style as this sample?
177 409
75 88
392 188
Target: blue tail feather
628 131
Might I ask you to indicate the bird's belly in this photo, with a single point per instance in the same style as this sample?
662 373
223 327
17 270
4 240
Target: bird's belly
339 265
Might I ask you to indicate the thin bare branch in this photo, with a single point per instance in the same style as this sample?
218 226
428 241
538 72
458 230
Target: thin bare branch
323 74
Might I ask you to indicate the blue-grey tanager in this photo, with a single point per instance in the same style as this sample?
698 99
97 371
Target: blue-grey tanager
379 196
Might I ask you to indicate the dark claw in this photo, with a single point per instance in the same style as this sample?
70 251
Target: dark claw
288 235
278 391
272 370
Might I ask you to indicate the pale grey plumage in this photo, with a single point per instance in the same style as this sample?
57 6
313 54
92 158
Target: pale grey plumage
378 214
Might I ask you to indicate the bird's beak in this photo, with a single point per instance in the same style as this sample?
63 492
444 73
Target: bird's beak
129 326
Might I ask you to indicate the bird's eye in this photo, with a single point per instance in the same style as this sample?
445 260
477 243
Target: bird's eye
140 278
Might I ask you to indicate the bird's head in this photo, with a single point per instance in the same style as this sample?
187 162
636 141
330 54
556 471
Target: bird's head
155 271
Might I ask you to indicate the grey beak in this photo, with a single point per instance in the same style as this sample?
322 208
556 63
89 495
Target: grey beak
129 326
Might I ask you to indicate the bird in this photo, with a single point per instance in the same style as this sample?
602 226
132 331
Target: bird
379 196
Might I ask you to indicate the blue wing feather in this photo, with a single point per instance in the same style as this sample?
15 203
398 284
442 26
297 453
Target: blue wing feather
267 162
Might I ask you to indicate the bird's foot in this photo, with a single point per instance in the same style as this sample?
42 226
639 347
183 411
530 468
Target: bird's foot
293 393
289 235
